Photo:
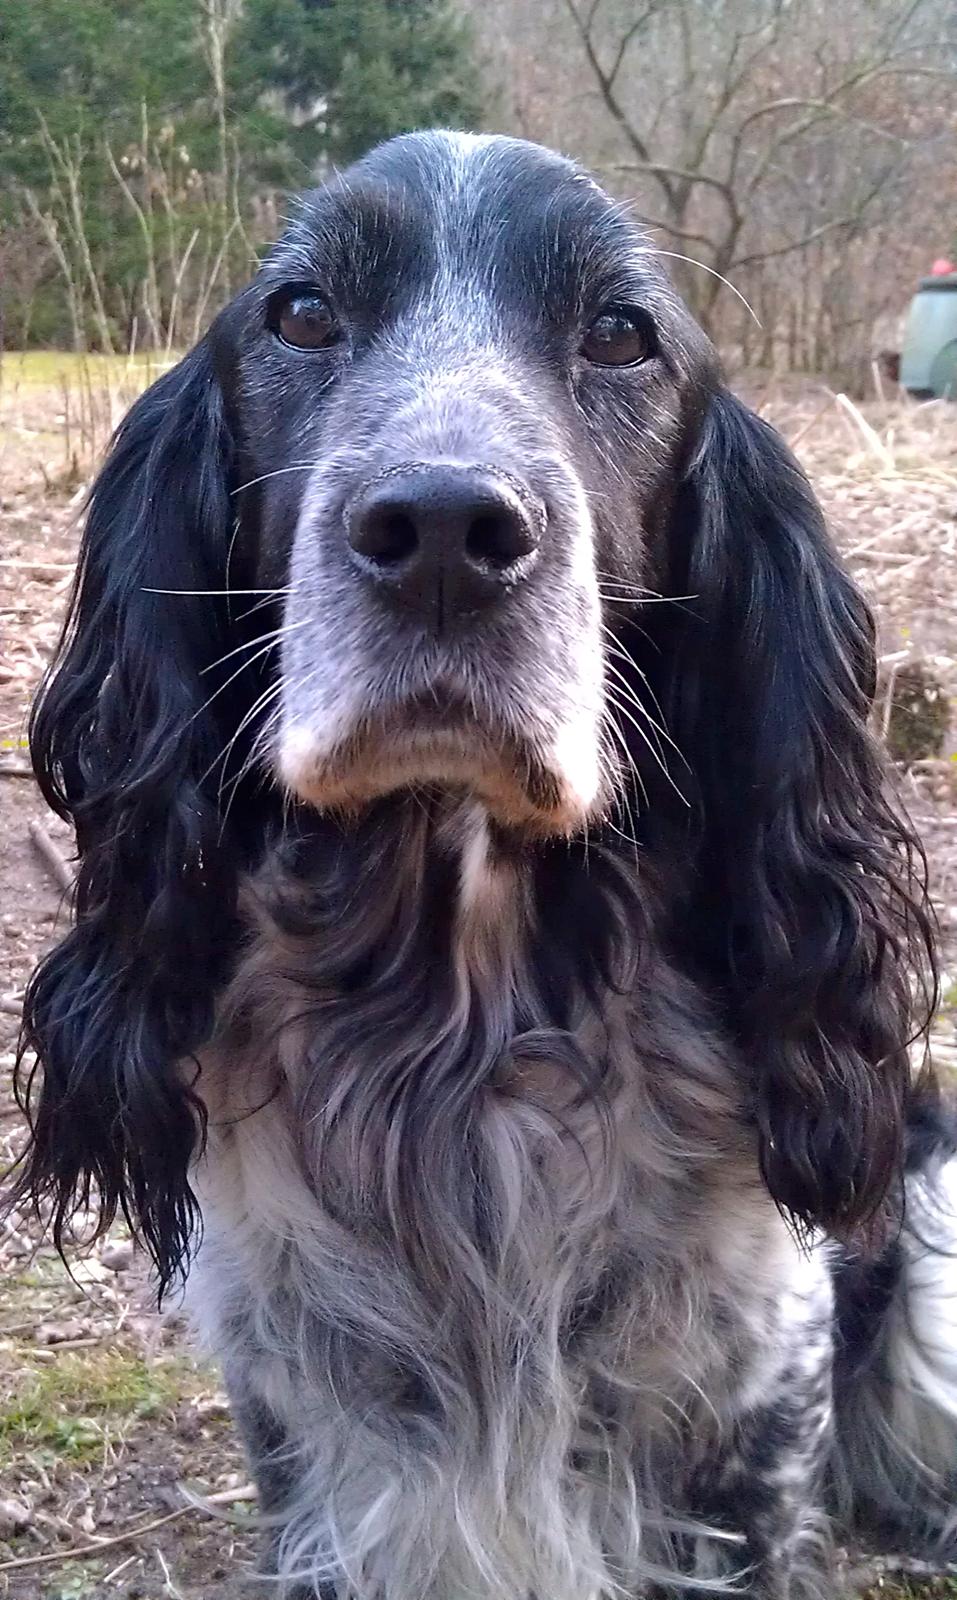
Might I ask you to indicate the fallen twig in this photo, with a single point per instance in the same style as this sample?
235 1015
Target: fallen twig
18 1327
70 1344
41 566
11 1006
10 767
73 1552
870 435
128 1562
169 1586
60 869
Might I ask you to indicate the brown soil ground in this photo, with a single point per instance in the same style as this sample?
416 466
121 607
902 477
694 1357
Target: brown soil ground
105 1409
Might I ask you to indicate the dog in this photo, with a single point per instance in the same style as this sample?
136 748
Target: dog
497 952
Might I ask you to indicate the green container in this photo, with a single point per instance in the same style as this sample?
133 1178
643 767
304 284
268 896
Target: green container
929 354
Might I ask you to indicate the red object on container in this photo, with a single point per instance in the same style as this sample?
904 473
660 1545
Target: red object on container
941 267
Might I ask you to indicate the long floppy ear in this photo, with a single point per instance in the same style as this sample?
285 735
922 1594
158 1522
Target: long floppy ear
124 744
807 907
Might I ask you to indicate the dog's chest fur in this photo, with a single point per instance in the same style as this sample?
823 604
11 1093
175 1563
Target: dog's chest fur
481 1273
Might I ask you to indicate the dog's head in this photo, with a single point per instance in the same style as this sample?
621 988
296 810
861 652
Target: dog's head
452 496
460 392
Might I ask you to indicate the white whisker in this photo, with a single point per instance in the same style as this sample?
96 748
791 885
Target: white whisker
231 679
274 635
297 466
623 711
646 600
692 262
222 593
614 648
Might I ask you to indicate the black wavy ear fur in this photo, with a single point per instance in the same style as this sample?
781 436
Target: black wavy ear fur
125 739
806 902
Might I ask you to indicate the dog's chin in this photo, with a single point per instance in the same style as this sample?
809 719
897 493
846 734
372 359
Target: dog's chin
522 787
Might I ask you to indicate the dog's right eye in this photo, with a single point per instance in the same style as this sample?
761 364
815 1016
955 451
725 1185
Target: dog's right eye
620 336
304 319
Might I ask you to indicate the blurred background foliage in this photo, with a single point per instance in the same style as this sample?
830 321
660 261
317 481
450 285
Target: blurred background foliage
805 152
147 146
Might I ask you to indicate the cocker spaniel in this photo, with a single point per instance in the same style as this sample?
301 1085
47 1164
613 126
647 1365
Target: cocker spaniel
496 953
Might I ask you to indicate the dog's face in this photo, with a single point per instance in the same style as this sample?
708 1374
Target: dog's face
465 386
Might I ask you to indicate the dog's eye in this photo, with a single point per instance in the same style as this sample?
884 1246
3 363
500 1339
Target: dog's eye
618 337
305 320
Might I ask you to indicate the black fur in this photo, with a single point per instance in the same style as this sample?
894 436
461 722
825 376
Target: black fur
126 738
804 908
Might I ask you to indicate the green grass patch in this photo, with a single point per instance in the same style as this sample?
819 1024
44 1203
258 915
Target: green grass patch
66 1409
910 1589
44 369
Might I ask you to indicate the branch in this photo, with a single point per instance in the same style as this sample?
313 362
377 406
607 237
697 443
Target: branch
71 1553
818 108
151 298
625 41
177 285
60 870
851 221
212 275
684 175
47 225
71 168
758 257
607 88
688 234
732 84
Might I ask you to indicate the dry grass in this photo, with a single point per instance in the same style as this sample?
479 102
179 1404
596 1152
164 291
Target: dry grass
58 410
886 474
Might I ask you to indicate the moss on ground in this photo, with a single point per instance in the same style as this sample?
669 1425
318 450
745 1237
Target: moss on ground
78 1582
72 1406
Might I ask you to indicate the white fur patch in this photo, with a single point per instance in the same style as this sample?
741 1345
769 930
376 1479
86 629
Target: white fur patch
924 1343
476 872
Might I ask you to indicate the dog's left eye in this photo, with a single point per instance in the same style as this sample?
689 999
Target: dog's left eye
304 319
618 337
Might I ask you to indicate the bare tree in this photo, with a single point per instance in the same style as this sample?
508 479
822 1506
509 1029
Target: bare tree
66 227
740 88
219 19
767 139
48 228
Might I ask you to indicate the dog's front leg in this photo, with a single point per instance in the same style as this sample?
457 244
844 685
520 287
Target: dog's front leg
273 1461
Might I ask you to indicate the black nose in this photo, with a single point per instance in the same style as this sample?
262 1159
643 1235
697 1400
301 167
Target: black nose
444 540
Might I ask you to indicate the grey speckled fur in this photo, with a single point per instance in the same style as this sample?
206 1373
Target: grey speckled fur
474 1350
